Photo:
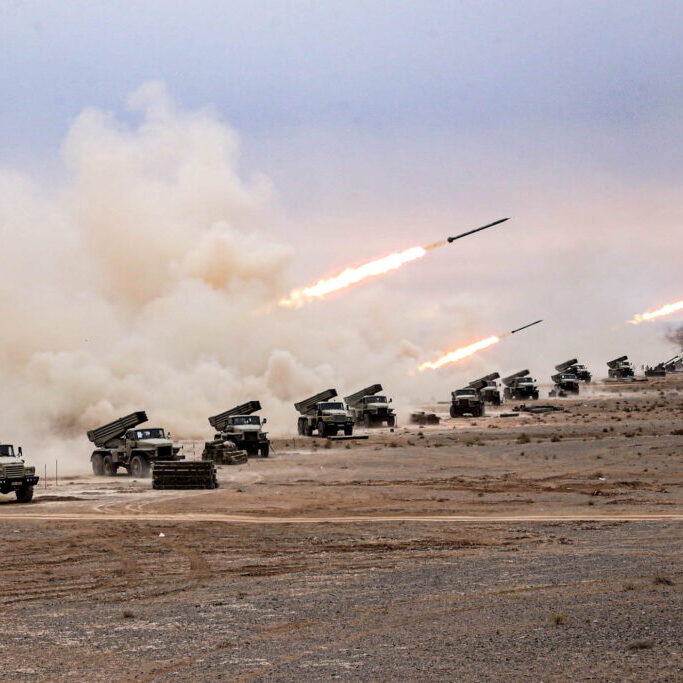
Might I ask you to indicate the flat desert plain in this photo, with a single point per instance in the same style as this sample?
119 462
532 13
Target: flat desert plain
535 547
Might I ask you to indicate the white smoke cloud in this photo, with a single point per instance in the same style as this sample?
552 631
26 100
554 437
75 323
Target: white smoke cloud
147 280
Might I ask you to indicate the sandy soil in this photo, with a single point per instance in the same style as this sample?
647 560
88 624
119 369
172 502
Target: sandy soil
528 548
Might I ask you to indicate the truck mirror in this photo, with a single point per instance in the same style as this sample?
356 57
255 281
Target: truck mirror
265 419
20 451
391 400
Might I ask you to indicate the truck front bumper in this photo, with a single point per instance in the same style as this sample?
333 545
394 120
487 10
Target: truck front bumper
7 485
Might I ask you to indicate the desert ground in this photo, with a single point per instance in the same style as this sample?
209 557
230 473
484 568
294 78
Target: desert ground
534 547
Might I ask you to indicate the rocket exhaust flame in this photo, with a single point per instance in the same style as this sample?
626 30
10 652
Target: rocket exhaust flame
470 349
380 266
668 309
459 354
351 276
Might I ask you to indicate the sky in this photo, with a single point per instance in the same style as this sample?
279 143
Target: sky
361 128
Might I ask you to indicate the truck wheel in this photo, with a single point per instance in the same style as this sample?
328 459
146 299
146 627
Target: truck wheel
301 427
265 451
321 429
391 422
367 420
108 466
139 467
348 430
97 464
25 494
453 412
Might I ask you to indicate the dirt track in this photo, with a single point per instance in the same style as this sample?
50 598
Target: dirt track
524 548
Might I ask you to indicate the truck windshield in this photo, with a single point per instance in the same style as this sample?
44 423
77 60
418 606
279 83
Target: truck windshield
331 406
376 399
7 451
465 392
149 434
246 420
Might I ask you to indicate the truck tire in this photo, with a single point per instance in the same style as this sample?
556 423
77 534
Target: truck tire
367 420
321 429
97 464
454 412
391 422
24 494
139 467
301 426
348 430
265 451
108 466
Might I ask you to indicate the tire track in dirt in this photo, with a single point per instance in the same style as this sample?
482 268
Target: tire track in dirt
343 519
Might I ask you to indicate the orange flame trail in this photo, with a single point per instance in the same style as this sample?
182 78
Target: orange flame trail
668 309
351 276
459 354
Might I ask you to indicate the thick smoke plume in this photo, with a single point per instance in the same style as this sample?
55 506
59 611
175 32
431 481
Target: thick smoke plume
148 279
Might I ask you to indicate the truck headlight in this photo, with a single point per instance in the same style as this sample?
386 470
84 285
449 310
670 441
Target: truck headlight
29 470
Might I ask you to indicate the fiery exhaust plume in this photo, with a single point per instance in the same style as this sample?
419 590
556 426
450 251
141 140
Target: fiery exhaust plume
352 276
380 266
459 354
668 309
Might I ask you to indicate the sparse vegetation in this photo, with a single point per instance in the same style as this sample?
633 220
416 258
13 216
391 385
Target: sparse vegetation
663 580
523 438
559 619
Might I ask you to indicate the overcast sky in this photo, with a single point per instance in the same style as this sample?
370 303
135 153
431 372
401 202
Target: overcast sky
392 122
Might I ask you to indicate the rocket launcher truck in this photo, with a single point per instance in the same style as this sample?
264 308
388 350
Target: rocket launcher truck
487 387
620 368
368 408
322 415
240 426
565 383
573 367
122 444
520 385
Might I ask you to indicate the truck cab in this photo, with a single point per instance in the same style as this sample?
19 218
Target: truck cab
15 476
582 372
466 402
565 383
247 434
374 410
490 393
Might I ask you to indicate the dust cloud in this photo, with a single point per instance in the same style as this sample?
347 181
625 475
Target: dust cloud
147 279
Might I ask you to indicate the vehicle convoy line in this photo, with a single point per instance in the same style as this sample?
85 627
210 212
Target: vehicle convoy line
346 519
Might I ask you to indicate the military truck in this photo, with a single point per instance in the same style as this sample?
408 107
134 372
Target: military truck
121 444
15 476
575 368
520 385
243 428
565 383
368 408
322 415
487 387
620 368
672 365
467 401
